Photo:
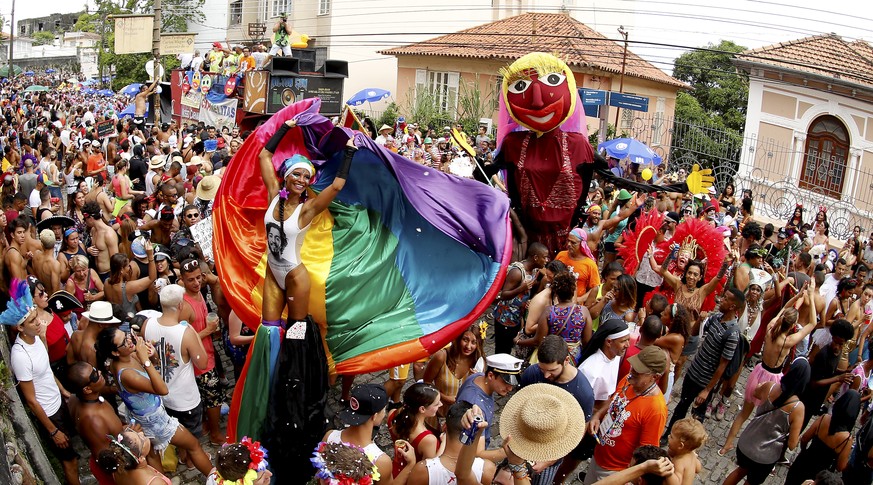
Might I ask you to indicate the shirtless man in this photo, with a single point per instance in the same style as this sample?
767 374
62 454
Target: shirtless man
81 347
17 255
139 102
162 227
98 195
93 416
45 266
104 241
596 226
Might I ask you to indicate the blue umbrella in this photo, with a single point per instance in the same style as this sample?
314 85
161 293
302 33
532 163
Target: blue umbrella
369 95
50 71
130 89
28 73
89 91
130 110
628 148
106 92
89 82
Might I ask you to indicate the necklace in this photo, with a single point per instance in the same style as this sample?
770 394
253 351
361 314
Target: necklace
92 401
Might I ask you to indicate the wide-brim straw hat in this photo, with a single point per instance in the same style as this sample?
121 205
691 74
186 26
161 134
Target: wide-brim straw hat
544 421
208 187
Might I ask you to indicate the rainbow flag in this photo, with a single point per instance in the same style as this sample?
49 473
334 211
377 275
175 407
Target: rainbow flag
348 119
405 258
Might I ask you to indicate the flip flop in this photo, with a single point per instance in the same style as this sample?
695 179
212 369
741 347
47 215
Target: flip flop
723 452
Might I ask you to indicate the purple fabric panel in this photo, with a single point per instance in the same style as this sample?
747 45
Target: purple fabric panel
468 211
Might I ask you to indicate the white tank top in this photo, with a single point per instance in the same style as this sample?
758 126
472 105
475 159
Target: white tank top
371 449
440 475
284 258
178 375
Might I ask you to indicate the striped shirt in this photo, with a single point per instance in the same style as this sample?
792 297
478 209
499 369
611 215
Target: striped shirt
720 342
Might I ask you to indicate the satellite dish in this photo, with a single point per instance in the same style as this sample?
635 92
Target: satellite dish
150 70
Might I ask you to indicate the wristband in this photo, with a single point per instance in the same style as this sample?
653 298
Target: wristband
55 432
274 140
343 171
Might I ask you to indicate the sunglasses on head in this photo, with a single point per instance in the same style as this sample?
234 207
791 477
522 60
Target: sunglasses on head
191 265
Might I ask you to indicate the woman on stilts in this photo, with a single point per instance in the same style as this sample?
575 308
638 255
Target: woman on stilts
295 419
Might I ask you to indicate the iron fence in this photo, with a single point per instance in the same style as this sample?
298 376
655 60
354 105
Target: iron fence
779 175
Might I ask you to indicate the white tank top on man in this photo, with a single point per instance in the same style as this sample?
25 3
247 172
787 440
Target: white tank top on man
178 375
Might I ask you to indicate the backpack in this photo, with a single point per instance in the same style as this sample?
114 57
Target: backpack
743 346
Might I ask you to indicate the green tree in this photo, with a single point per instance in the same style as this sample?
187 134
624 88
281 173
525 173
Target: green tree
43 38
473 105
389 116
709 120
718 88
129 68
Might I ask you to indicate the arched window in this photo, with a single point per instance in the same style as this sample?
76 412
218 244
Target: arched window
826 157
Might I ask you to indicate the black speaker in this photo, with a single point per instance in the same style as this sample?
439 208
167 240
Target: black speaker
285 66
334 68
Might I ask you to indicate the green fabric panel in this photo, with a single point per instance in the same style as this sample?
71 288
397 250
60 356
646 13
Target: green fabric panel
365 253
256 394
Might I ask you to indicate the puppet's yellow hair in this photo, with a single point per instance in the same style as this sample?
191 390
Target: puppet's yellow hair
544 64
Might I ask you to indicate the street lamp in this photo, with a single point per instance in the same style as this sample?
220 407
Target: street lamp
623 33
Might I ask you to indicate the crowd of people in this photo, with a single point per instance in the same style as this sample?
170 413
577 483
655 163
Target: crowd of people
104 236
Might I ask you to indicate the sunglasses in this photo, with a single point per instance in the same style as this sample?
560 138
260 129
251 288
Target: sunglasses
191 265
127 339
192 215
95 375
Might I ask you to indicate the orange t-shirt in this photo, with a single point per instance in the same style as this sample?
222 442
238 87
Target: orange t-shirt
586 270
642 423
96 163
248 61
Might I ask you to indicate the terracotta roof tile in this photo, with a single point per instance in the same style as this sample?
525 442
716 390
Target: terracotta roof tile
826 55
576 43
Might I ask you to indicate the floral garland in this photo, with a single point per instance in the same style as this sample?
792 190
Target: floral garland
258 464
338 477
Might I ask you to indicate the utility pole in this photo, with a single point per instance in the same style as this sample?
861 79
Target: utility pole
12 42
156 52
100 66
621 82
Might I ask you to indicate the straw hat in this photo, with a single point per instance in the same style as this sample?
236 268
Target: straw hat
208 187
544 421
157 161
385 127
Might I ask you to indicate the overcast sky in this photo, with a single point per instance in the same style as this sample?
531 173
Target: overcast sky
687 23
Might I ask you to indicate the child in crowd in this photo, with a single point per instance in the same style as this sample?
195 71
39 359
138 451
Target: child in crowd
343 463
686 437
243 463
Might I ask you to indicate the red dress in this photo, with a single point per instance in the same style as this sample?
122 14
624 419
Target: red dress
545 184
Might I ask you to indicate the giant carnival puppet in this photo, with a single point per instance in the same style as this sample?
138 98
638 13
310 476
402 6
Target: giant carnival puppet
543 144
331 249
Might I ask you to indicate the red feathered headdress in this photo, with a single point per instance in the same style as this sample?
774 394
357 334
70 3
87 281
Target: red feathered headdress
638 239
709 240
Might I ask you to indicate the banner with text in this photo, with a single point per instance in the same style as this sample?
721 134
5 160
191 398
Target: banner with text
219 114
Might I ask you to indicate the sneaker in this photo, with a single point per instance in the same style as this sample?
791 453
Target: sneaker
720 410
708 413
